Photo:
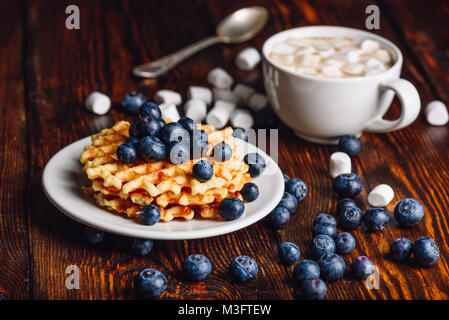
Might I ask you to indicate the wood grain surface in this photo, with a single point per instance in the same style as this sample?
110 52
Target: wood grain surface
46 71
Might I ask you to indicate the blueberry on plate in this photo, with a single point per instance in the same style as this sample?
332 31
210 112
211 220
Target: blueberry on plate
249 192
93 236
150 214
150 109
178 152
256 164
288 253
322 244
243 268
362 267
288 201
241 134
401 249
151 149
344 243
196 267
296 187
313 289
187 123
325 228
162 122
332 266
324 217
350 145
148 126
174 132
286 178
222 152
231 208
265 118
408 212
345 202
376 219
133 101
203 170
142 247
279 217
132 140
127 153
347 185
133 130
426 251
199 144
304 270
150 283
350 217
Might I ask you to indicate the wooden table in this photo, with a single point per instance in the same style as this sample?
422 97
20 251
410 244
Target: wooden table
46 71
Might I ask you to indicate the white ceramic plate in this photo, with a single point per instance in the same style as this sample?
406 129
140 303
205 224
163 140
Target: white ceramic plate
62 180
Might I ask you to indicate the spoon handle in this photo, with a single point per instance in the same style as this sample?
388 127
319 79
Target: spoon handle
164 64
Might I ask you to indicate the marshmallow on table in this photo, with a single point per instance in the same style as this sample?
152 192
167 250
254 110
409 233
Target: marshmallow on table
219 115
381 195
219 78
243 92
369 45
98 103
339 163
247 59
195 109
201 93
241 118
225 95
167 96
436 113
257 101
169 112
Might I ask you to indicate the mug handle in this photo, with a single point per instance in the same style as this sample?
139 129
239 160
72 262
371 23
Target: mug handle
410 102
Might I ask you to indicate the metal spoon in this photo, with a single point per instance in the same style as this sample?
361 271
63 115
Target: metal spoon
238 27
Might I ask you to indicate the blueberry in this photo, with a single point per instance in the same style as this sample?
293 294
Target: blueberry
199 144
178 152
151 149
250 192
304 270
344 243
162 122
347 185
426 251
142 247
222 152
401 249
150 214
288 253
150 283
243 268
148 126
132 102
196 267
265 118
288 201
332 266
133 130
362 267
174 132
324 217
408 212
350 217
322 244
203 170
325 228
93 236
150 109
376 219
350 145
241 133
187 123
296 187
279 217
345 202
313 289
231 208
127 153
256 164
286 178
132 140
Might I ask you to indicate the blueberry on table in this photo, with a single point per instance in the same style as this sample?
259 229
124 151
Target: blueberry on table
162 122
376 219
286 178
256 164
408 212
322 244
148 126
313 289
132 102
304 270
178 152
150 214
93 236
324 217
231 208
401 249
296 187
426 251
222 152
350 145
289 253
150 283
332 266
187 123
325 228
249 191
127 153
279 217
142 247
151 149
288 201
362 267
196 267
345 202
150 109
350 217
344 243
347 185
241 134
243 268
174 132
203 170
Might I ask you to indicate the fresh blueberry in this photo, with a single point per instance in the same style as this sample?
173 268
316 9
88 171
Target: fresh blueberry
148 126
127 153
132 102
332 266
279 217
151 149
93 236
347 185
132 140
288 201
324 217
350 145
133 130
199 144
296 187
187 123
256 164
362 267
345 202
196 267
142 247
286 178
150 214
322 244
325 228
231 208
313 289
241 133
350 217
344 242
162 122
401 249
408 212
376 219
150 109
426 251
222 152
174 132
250 192
203 170
288 253
150 283
243 268
178 152
304 270
265 118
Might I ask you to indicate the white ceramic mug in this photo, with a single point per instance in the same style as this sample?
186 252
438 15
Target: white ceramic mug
322 109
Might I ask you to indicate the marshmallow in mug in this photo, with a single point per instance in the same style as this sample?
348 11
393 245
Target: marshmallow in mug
98 103
167 96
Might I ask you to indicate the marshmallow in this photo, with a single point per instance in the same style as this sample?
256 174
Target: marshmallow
333 62
371 62
382 55
98 103
242 92
369 45
339 163
381 195
331 72
200 93
169 112
354 69
283 48
195 109
257 101
340 43
436 113
321 44
378 69
308 60
225 95
325 53
247 59
167 96
219 115
219 78
284 59
348 56
241 118
306 50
